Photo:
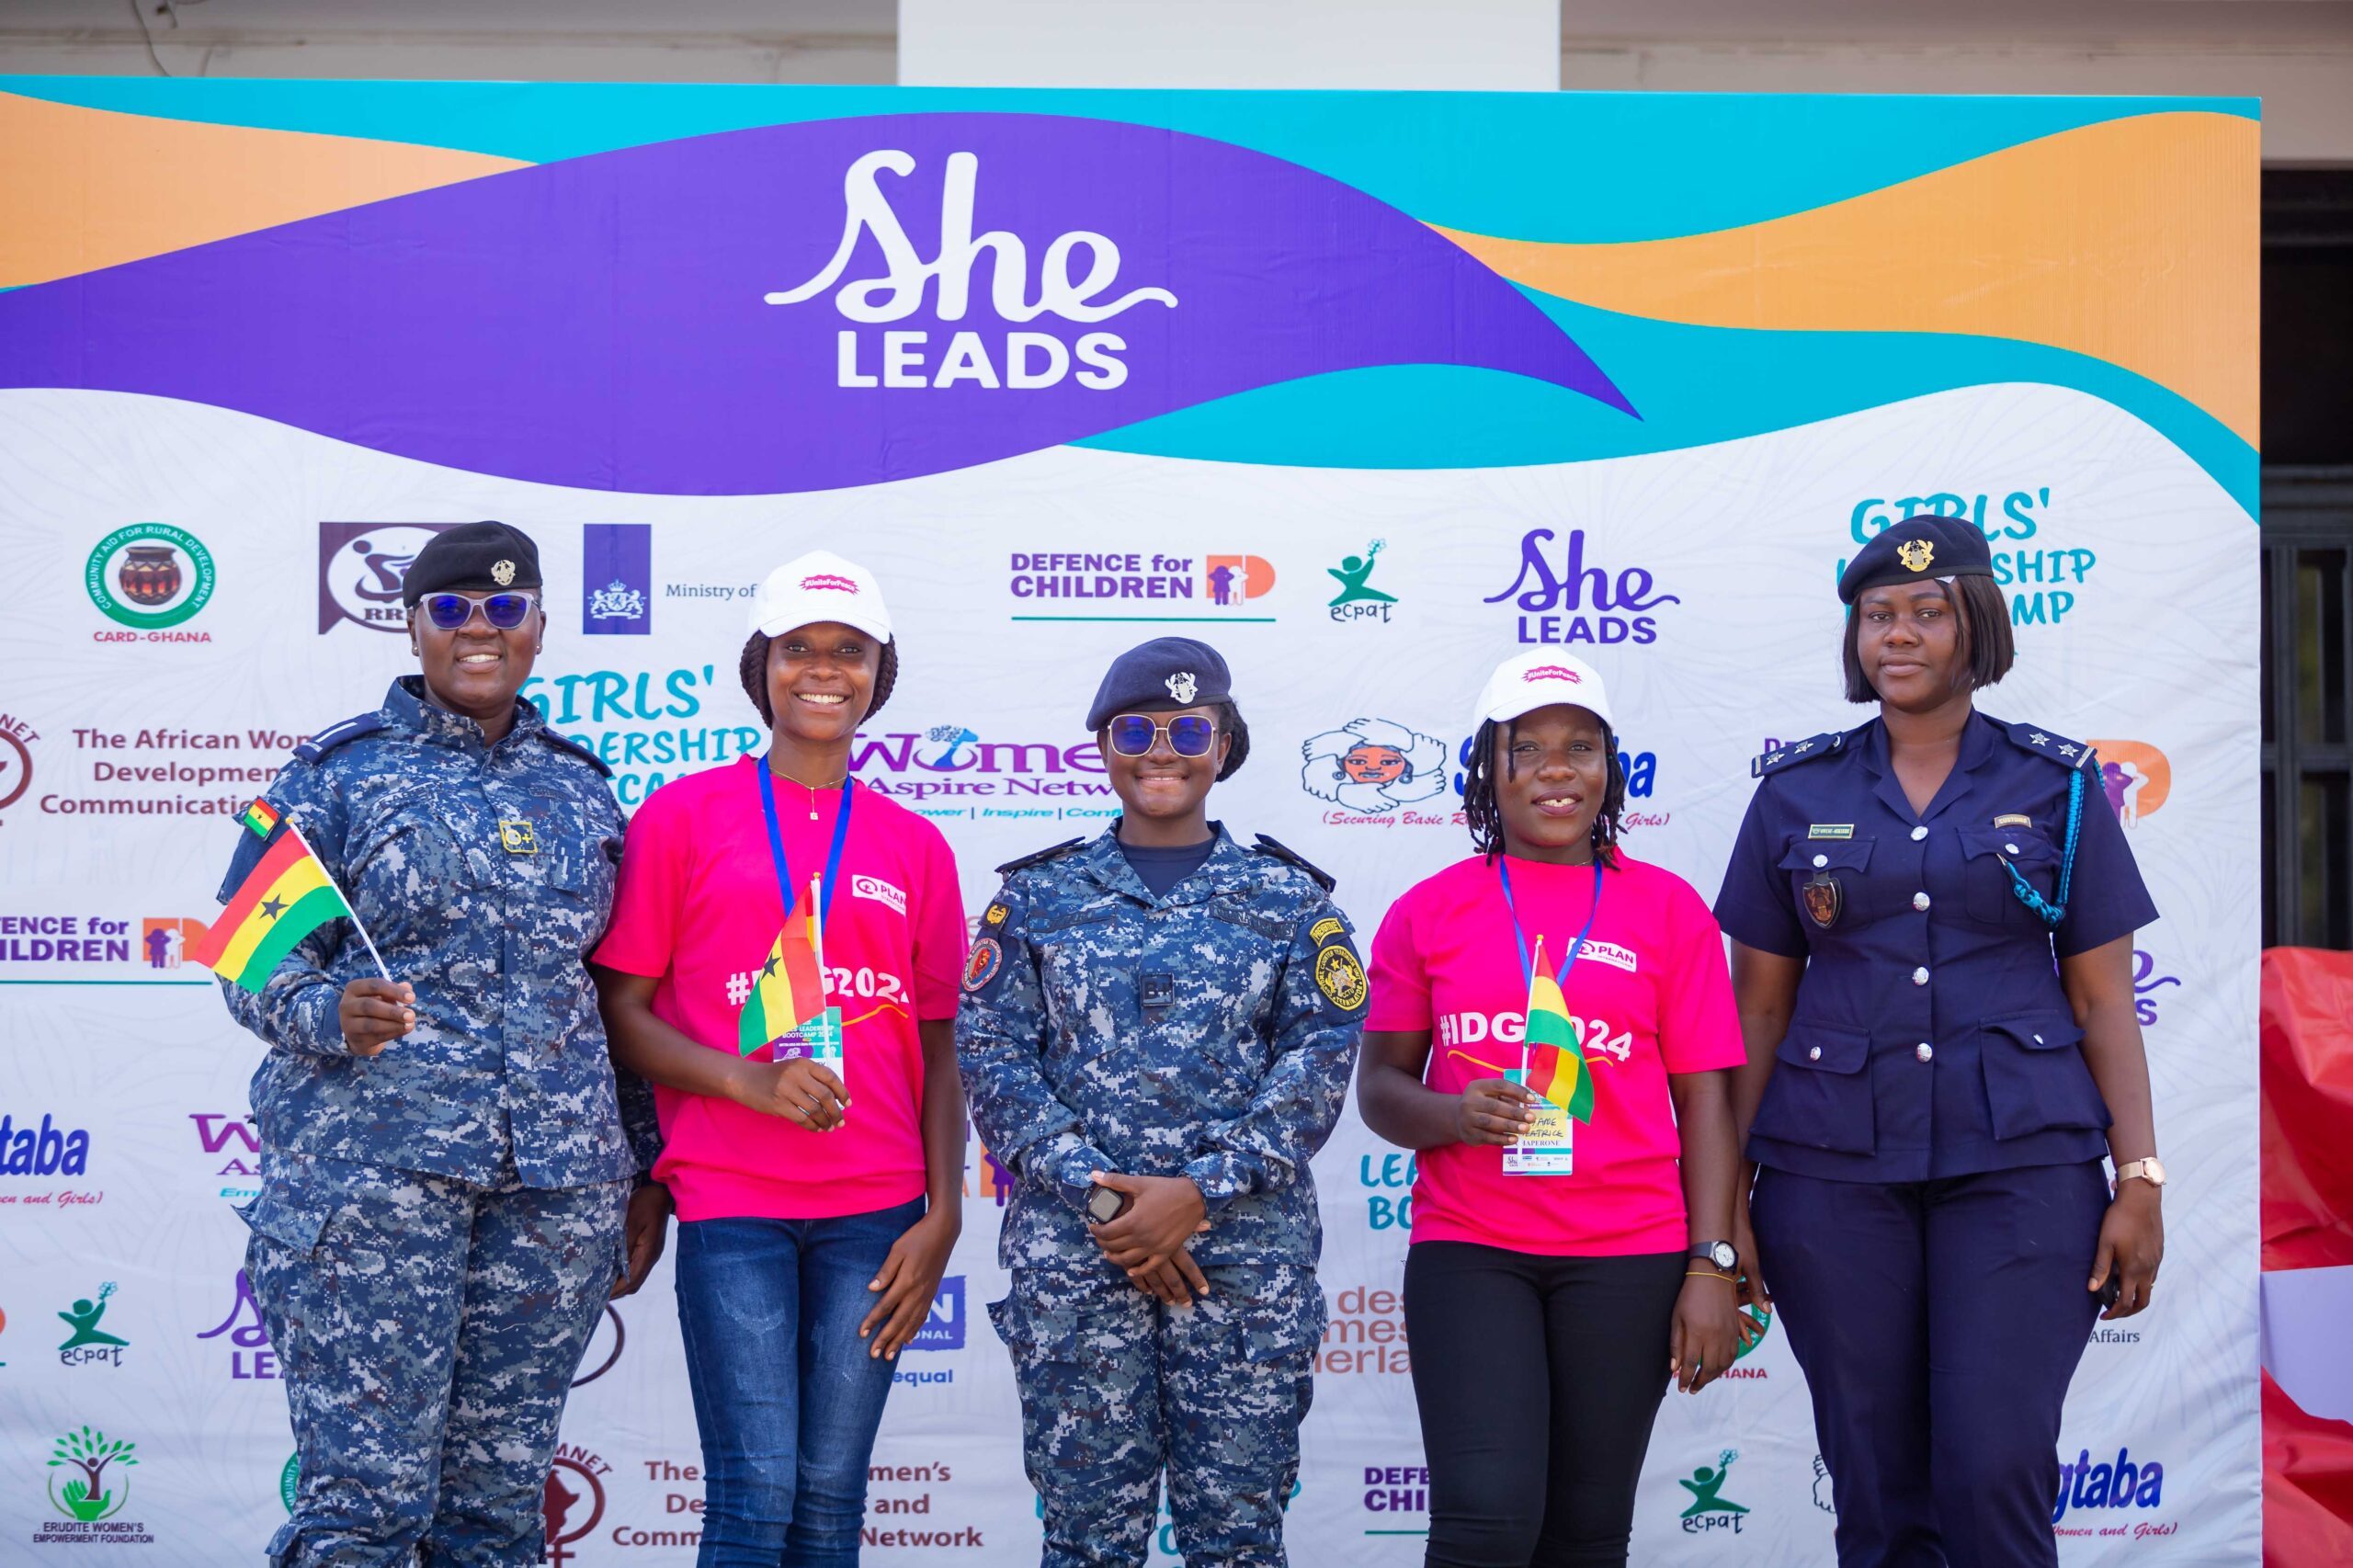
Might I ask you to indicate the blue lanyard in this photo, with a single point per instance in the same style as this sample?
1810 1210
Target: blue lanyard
1527 963
775 846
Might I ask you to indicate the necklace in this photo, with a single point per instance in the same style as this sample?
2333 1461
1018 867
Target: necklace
813 789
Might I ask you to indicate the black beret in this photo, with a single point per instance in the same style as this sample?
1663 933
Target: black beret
473 555
1915 549
1165 673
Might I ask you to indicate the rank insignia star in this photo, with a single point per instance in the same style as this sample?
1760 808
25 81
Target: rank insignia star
1803 747
2067 751
1775 757
2039 738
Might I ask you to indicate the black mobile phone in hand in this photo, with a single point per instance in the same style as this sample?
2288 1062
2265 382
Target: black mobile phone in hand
2113 1290
1106 1204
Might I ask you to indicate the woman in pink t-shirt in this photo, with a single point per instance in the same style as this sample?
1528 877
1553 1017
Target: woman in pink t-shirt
818 1179
1588 1269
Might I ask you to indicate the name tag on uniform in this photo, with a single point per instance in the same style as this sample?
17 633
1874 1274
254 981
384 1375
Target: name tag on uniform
2012 818
1549 1146
515 836
1830 830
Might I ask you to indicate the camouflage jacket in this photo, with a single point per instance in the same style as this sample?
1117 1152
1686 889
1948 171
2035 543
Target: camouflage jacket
1210 1033
485 875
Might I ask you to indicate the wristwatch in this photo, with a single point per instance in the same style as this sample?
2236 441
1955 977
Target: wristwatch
2149 1170
1717 1254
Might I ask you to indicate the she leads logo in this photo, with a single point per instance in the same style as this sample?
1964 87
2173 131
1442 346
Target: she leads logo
1018 361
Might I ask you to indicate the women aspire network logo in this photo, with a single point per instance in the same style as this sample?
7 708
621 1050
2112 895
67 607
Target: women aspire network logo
1020 360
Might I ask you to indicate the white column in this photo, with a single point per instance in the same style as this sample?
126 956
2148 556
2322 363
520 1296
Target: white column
1462 45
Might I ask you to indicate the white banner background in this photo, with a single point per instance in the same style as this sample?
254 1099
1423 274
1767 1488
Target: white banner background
2154 644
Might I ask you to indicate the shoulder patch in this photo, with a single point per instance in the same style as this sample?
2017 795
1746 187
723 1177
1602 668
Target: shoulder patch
983 964
2049 744
1052 852
1806 750
1279 850
334 735
565 742
1340 977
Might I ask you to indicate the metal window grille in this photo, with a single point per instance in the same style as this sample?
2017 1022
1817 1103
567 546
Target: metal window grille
2308 709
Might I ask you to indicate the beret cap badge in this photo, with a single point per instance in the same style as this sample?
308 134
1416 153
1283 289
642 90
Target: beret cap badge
503 574
1181 685
1916 554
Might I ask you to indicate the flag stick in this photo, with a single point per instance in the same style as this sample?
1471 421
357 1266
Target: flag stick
817 937
357 924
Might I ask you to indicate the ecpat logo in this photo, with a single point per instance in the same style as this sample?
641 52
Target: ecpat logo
1015 360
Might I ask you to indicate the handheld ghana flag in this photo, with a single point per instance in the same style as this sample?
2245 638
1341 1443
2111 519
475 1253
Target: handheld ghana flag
283 899
1556 1065
789 990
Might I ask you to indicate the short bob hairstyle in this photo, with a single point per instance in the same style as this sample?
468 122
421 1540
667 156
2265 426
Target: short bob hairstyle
1984 613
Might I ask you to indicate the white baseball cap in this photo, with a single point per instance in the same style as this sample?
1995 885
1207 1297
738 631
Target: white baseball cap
818 586
1539 678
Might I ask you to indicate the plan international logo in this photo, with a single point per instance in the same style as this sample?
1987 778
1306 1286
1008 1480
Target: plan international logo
1014 360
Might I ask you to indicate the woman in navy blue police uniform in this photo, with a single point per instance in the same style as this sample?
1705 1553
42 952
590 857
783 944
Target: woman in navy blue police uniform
1932 921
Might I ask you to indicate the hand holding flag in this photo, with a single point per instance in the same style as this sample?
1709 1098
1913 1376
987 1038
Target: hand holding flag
1556 1064
283 899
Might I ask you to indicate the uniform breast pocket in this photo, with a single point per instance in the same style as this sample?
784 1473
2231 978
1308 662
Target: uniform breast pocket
421 854
1988 891
1820 1094
1828 879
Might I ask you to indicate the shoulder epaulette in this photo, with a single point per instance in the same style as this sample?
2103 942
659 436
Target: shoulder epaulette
334 735
565 742
1284 852
1806 750
1053 852
2044 742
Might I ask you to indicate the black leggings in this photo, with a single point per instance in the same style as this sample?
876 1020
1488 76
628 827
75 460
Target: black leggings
1529 1472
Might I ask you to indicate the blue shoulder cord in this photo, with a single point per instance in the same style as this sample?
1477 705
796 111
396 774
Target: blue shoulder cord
2050 913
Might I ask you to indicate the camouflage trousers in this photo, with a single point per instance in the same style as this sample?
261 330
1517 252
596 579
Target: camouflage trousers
1117 1388
428 1330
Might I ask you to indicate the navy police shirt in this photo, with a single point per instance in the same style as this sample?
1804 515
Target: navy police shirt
1931 1036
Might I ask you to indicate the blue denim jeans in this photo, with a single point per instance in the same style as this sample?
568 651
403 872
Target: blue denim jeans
786 1397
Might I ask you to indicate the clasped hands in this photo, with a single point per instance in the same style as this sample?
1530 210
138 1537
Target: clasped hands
1148 1241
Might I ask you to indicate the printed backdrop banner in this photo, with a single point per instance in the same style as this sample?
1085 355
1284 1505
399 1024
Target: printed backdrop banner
1370 390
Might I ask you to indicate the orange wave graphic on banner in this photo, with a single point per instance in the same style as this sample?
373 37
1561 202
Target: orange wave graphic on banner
84 188
2161 208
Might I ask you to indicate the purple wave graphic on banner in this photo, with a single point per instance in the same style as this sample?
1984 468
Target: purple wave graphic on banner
795 307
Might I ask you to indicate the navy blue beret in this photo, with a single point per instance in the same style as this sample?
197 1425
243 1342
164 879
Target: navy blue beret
473 555
1165 673
1916 548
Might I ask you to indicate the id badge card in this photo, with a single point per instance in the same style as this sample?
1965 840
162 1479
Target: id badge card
1549 1146
819 1040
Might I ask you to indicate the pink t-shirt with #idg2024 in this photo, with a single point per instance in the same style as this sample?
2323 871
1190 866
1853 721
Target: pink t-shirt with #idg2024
1650 994
698 908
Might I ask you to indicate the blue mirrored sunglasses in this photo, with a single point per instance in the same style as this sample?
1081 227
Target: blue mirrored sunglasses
504 611
1189 734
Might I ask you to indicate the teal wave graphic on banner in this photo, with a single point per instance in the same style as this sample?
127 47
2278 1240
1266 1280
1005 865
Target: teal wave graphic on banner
1696 385
1675 163
792 308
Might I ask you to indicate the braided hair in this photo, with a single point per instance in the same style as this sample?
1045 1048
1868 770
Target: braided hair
752 669
1229 722
1484 814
